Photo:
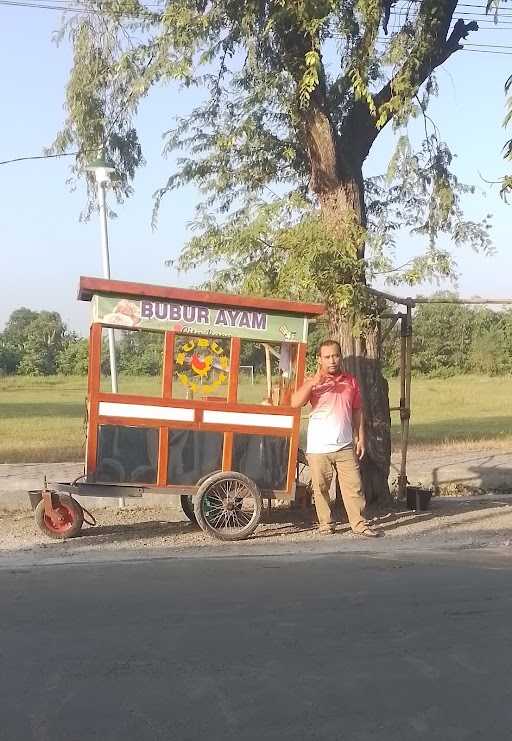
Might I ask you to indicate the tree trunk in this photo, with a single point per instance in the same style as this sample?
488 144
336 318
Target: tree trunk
361 357
337 180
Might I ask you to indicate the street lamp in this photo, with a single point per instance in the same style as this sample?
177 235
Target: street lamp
103 169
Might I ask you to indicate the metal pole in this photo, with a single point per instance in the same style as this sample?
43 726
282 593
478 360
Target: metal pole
105 260
402 477
408 372
405 396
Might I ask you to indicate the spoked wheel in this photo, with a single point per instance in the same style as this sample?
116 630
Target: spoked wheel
65 522
187 505
228 506
187 500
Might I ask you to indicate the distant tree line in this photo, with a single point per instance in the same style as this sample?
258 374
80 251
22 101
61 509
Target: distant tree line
38 343
452 339
448 339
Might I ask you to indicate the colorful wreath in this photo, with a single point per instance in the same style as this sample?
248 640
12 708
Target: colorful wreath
197 359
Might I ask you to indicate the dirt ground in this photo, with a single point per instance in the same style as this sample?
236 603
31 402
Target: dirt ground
450 523
477 513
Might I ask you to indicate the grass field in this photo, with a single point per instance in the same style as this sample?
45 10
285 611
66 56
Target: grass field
42 419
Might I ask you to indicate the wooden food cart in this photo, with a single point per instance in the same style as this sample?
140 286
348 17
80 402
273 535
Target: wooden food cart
202 431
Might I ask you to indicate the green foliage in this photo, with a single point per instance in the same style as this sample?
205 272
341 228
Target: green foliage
491 347
140 353
9 359
14 337
421 194
506 183
43 341
448 339
317 333
278 137
310 78
441 338
73 358
452 339
31 342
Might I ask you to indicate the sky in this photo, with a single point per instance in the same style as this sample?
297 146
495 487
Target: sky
44 247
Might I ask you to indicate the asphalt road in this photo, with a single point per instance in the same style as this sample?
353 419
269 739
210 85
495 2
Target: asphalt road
333 647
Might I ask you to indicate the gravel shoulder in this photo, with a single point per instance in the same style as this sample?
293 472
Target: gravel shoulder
149 528
134 532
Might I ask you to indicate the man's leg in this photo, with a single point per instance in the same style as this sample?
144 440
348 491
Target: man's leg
351 489
321 477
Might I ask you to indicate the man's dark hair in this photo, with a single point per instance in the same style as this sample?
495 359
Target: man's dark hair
328 343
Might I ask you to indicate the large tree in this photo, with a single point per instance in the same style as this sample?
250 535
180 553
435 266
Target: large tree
31 342
293 95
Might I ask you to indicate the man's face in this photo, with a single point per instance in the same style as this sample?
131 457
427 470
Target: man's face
330 359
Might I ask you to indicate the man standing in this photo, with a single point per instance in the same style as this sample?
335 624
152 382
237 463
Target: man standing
335 438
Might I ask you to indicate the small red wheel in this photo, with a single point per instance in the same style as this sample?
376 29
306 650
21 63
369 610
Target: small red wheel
67 520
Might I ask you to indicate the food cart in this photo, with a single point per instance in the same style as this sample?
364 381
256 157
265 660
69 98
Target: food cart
204 433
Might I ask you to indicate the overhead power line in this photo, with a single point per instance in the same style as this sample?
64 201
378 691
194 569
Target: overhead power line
65 6
41 157
482 6
493 46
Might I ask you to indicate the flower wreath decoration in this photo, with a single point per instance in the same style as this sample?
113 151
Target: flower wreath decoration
196 361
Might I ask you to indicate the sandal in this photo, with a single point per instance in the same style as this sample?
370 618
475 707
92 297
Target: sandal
369 533
326 530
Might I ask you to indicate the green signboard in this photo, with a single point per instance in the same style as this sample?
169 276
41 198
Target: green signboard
198 319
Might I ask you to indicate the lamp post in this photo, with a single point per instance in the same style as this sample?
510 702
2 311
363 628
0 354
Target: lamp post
102 170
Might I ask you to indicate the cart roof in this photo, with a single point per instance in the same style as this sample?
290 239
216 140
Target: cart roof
101 286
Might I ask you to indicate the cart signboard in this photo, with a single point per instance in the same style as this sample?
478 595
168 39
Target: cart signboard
198 319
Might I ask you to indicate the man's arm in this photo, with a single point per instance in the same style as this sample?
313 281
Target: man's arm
358 429
303 394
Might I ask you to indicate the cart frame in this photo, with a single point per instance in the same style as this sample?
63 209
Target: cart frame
263 320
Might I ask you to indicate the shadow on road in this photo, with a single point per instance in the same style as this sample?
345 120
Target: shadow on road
486 472
441 511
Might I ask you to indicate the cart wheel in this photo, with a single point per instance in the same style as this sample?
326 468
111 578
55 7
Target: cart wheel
187 505
228 506
187 500
71 514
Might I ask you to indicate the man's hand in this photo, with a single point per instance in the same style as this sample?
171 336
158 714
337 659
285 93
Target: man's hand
302 395
317 378
360 449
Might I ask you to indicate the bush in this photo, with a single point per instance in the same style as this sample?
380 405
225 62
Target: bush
73 359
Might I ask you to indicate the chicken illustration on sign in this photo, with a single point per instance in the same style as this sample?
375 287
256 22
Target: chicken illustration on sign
197 360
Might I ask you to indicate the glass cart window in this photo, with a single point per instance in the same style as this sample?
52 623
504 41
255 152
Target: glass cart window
139 358
193 454
263 458
267 373
127 454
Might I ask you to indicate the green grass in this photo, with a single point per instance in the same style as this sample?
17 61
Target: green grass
41 419
462 409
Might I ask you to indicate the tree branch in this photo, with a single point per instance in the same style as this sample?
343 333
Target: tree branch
433 47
